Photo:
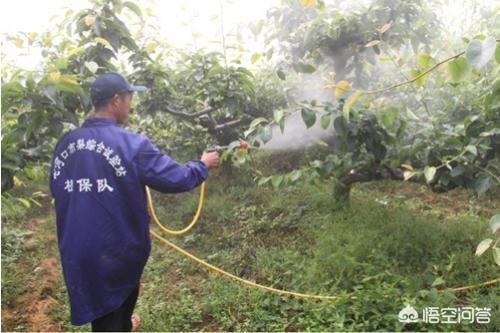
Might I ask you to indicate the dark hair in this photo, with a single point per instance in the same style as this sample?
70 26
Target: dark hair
98 103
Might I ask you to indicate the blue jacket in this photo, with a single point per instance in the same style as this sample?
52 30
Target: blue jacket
98 176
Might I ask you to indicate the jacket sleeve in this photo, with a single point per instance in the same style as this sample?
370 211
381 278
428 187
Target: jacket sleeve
162 173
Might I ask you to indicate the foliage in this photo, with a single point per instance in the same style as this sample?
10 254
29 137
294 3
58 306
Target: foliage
12 244
454 143
229 96
38 106
491 243
437 122
333 35
385 253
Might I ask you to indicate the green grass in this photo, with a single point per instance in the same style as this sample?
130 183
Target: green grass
386 254
388 248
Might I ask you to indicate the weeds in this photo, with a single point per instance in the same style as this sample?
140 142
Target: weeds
385 252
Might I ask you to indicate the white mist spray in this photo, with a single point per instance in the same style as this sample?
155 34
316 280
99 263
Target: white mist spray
296 135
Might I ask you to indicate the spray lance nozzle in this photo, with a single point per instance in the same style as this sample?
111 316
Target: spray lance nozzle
242 145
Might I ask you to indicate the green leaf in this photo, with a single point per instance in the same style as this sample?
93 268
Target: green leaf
278 115
69 85
76 51
301 67
151 47
495 89
265 134
269 53
255 57
35 202
341 87
11 89
411 114
424 60
495 223
471 149
483 246
92 66
408 174
497 54
308 116
478 53
216 69
429 173
421 79
389 117
457 171
496 255
295 175
102 41
439 281
245 71
349 104
277 180
55 76
25 202
257 121
281 74
61 63
458 69
495 131
279 118
282 125
264 180
51 93
133 7
325 121
482 184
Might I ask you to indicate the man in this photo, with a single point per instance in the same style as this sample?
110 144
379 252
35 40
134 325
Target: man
98 178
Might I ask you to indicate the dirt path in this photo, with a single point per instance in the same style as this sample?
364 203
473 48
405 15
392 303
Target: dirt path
32 309
39 301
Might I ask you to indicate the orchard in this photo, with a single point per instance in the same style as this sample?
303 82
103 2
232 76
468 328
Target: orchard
360 151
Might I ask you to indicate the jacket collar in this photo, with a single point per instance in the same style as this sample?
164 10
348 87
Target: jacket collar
99 121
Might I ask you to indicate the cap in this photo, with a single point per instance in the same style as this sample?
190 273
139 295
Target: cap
107 85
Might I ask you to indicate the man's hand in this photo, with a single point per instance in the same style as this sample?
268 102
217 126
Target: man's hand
210 159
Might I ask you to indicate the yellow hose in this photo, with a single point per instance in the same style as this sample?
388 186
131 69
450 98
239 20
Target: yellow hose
193 222
244 281
210 266
248 282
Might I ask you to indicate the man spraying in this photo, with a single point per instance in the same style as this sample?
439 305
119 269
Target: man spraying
98 178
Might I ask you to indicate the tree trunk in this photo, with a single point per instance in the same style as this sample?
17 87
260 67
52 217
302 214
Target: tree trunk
342 188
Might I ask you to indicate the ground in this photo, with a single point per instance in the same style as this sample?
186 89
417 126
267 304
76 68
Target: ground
395 244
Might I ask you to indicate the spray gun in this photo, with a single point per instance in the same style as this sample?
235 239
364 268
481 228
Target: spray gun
243 145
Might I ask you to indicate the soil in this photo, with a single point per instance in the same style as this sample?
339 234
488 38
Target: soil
31 311
452 202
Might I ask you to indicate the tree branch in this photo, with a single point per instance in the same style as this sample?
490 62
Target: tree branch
229 124
190 115
397 85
